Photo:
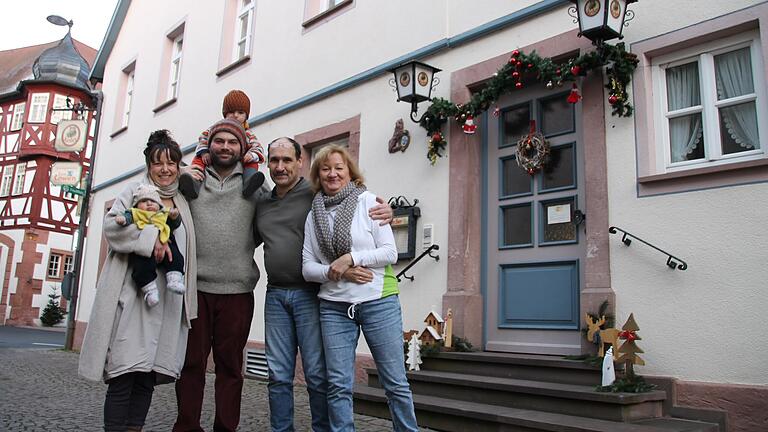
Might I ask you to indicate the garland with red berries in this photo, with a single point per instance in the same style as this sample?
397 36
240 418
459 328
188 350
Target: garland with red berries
621 64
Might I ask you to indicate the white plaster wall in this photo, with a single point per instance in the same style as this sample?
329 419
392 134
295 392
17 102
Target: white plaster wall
698 324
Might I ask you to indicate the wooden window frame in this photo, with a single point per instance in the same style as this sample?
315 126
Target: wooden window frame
18 116
42 106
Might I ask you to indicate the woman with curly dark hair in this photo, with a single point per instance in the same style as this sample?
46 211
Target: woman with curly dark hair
132 341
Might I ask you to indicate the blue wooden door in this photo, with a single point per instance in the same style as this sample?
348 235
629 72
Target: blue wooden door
534 247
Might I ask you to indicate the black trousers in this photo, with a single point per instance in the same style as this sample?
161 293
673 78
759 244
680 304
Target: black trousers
145 268
127 401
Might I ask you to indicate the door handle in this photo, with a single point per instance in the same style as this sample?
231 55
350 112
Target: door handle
579 217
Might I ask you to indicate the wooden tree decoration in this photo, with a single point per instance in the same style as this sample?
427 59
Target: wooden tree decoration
628 352
414 353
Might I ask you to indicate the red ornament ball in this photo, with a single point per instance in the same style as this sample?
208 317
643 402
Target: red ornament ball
512 61
612 99
515 53
576 70
518 85
437 137
558 72
516 75
530 65
531 171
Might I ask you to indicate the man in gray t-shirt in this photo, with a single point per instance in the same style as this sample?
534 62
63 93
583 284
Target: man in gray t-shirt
291 308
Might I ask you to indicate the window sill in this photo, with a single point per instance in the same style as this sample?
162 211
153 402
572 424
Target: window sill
649 179
164 105
234 65
118 132
323 16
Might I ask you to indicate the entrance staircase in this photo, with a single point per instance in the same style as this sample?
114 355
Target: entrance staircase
482 391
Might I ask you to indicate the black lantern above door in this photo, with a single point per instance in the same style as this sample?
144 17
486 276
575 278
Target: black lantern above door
601 20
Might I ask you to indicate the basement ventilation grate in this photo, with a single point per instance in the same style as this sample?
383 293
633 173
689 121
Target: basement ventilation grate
255 363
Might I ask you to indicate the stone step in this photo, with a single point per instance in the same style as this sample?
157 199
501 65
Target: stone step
517 366
460 416
571 399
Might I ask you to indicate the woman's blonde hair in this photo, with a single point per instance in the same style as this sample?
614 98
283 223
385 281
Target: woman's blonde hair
325 153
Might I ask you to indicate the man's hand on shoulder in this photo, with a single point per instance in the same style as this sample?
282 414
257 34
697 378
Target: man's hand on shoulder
381 212
196 172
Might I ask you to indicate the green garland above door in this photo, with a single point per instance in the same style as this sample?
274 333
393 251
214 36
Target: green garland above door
521 67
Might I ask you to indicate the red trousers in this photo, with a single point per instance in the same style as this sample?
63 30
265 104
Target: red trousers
223 323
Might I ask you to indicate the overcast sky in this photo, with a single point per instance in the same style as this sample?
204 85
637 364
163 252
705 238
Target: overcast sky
22 22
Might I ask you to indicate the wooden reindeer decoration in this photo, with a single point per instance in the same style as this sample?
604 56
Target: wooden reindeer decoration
607 336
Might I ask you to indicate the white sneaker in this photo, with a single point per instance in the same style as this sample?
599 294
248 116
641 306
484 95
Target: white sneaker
151 295
175 282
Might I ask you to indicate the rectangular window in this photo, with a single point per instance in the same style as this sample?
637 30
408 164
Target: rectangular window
5 184
38 108
128 98
173 83
54 265
243 29
69 263
18 181
711 106
315 8
18 116
60 101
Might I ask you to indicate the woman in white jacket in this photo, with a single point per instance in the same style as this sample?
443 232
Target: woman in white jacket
351 255
128 344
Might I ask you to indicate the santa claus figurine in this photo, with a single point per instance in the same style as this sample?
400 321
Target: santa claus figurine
469 125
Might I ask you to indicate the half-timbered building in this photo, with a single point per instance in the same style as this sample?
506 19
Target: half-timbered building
38 221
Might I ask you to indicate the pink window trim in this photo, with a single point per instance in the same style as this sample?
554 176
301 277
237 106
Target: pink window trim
122 88
346 128
651 182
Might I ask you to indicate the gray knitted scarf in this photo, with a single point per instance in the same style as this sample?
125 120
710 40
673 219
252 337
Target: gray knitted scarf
339 242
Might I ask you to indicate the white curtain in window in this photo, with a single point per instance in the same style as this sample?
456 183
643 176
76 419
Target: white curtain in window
733 73
682 92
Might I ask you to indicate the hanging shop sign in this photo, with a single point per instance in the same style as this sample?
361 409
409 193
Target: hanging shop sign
66 173
71 135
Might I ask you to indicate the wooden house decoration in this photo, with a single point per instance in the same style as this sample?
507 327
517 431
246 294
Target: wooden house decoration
435 321
430 336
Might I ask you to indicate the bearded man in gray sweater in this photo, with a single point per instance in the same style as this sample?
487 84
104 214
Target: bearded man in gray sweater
226 277
291 307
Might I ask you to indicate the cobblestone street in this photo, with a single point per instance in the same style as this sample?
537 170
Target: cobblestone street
40 391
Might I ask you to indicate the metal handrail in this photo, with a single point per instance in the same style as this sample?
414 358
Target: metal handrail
672 261
426 252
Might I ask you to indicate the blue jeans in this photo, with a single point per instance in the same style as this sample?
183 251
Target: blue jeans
382 325
292 321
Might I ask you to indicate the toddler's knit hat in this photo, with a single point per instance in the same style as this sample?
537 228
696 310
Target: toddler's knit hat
146 191
236 100
235 128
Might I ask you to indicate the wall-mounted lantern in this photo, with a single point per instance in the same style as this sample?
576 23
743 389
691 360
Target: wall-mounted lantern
403 226
601 20
414 82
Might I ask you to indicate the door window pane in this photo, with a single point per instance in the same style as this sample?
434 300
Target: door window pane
738 128
514 180
515 123
686 138
559 172
516 225
557 116
557 221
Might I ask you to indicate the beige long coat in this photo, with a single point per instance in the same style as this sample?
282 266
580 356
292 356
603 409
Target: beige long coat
124 334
